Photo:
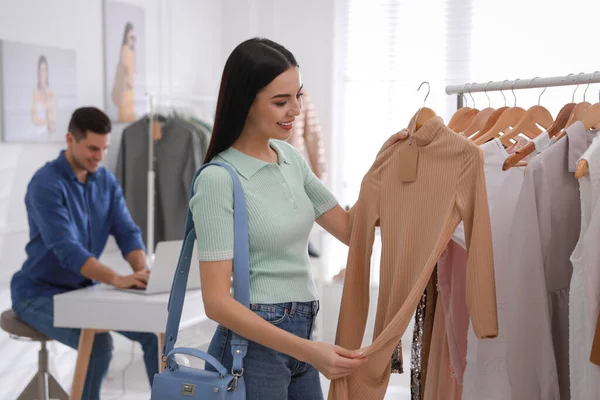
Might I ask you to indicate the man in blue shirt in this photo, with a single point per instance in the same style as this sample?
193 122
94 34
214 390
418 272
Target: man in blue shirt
73 205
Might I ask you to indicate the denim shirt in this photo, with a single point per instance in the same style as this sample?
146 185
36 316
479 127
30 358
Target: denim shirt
69 222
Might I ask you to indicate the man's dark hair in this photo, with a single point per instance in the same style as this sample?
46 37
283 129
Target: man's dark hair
89 119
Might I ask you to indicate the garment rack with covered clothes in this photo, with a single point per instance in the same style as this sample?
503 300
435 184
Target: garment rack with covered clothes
516 84
157 102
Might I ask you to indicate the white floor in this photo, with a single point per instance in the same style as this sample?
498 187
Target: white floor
127 378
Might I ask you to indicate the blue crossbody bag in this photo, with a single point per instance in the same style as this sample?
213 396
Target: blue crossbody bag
182 382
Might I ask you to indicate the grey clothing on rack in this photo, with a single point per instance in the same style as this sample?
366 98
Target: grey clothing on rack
544 232
177 157
204 133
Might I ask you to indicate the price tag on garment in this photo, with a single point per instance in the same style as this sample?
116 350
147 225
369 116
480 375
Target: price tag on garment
156 130
409 158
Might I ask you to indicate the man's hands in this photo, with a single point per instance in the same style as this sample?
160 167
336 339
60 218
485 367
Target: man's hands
136 280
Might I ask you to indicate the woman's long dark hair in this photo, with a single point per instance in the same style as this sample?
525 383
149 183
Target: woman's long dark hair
128 28
43 60
251 66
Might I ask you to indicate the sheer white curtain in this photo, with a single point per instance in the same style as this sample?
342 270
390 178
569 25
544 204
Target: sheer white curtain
388 47
391 46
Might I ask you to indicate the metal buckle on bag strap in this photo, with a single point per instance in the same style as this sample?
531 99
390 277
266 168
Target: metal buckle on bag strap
234 382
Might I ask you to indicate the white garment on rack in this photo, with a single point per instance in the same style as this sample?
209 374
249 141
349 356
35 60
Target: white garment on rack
585 284
485 376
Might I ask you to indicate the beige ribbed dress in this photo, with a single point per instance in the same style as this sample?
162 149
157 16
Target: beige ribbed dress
417 220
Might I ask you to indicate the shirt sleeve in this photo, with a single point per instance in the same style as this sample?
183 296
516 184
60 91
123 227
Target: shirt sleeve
126 232
354 308
322 199
47 210
212 211
473 207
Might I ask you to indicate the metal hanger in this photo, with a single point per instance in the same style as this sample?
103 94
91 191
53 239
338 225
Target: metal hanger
463 117
580 108
508 119
528 124
481 118
493 118
424 114
554 130
590 119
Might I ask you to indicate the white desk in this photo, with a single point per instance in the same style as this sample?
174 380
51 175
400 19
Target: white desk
103 308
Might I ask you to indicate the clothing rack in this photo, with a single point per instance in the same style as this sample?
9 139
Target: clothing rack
516 84
155 100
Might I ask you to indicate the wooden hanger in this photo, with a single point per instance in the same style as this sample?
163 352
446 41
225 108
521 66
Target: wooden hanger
424 114
463 117
582 169
508 119
528 124
579 110
576 115
561 120
489 123
535 115
590 118
479 121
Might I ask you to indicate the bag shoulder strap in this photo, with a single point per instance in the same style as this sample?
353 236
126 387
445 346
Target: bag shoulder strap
241 266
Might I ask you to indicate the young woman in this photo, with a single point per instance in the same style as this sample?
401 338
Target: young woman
260 95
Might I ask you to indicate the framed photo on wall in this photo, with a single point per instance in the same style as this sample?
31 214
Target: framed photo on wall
38 87
125 60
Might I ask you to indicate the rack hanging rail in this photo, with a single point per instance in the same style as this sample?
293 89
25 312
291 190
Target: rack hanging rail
565 80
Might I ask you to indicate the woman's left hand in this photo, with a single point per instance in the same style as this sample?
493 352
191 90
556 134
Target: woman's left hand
396 137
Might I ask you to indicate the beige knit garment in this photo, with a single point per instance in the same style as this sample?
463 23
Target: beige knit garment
417 220
307 138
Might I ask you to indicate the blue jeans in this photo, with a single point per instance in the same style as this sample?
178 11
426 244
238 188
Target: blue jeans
39 314
269 374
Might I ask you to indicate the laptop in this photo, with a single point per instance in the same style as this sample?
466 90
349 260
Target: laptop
162 270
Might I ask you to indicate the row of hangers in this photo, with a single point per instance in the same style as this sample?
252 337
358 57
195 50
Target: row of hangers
508 123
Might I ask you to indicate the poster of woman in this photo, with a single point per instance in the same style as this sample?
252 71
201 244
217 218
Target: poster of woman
42 105
124 40
39 91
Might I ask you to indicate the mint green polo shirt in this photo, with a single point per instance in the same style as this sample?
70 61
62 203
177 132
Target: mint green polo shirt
283 199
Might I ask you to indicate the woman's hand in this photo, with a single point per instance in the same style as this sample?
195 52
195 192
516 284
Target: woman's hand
396 137
334 361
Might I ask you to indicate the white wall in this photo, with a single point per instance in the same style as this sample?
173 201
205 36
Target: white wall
183 53
183 46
